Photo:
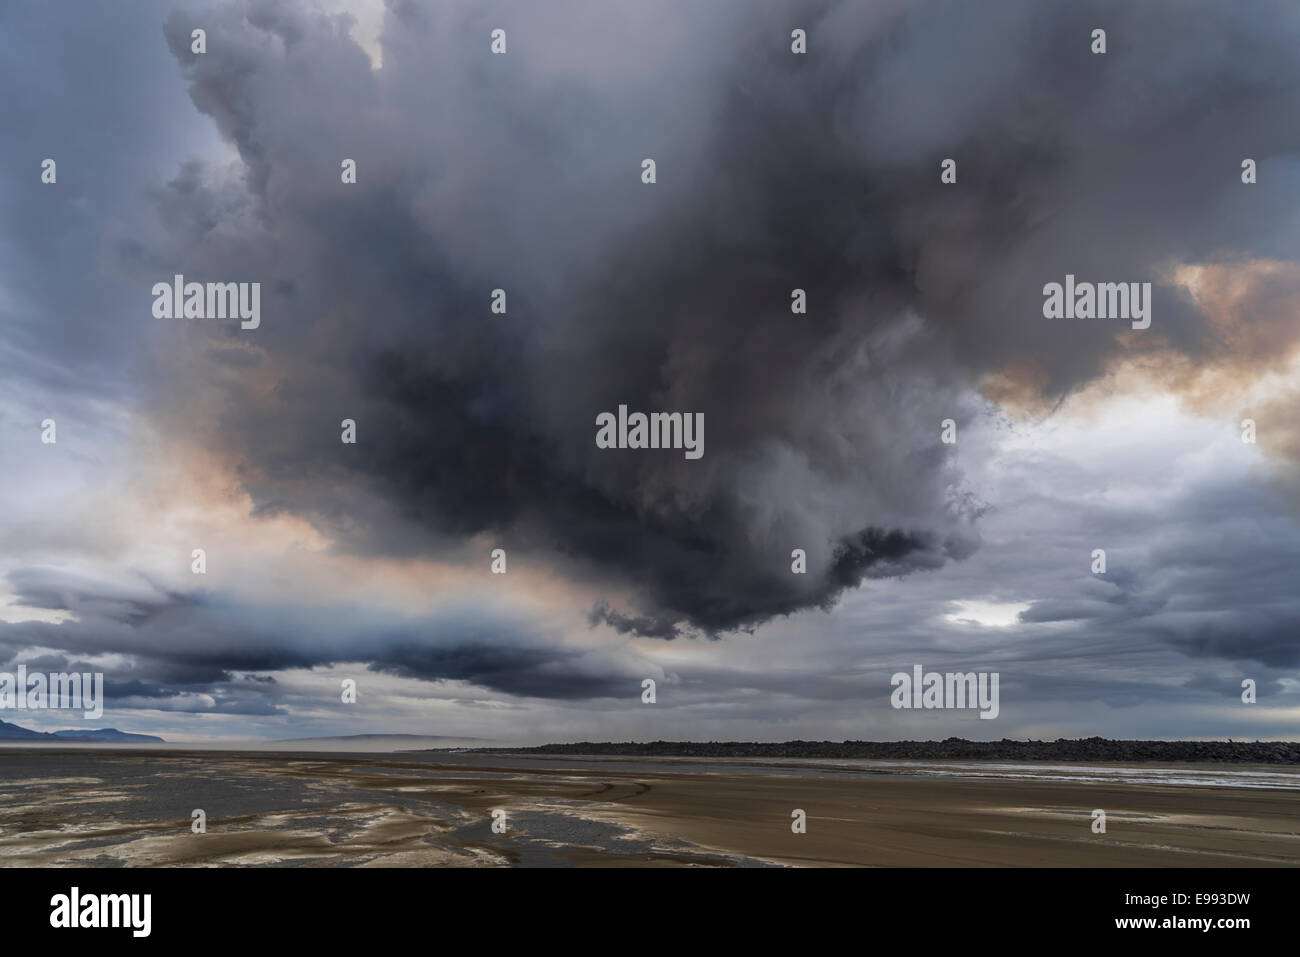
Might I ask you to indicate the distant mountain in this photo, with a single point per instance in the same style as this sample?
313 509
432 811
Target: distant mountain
13 732
378 743
105 734
362 738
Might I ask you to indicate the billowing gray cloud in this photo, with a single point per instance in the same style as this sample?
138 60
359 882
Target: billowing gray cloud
775 172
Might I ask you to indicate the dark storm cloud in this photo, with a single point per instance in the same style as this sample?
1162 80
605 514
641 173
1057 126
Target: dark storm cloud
775 172
194 645
537 672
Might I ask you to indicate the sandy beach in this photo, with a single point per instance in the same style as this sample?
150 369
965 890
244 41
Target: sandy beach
99 807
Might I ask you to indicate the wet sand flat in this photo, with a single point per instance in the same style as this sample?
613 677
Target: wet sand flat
91 807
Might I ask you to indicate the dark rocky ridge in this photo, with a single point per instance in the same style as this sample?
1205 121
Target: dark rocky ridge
1062 749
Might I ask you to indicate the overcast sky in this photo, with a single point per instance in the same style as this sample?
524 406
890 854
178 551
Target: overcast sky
476 431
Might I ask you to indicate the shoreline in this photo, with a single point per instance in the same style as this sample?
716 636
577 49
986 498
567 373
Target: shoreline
1093 749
